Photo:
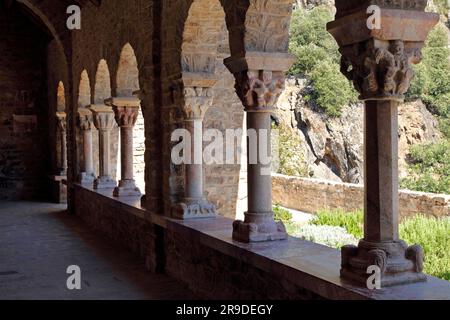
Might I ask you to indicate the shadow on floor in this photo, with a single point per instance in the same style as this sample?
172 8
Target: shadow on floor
40 240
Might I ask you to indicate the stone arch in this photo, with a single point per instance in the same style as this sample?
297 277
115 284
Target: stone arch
204 46
60 97
127 81
56 29
102 87
84 90
127 78
267 25
201 36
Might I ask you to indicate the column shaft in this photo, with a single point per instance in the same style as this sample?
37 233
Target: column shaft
105 150
194 169
259 178
197 99
381 171
63 152
126 110
88 154
126 152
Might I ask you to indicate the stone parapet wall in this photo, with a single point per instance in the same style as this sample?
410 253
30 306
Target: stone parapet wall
202 254
311 195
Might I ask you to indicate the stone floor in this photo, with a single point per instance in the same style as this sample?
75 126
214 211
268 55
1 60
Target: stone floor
39 241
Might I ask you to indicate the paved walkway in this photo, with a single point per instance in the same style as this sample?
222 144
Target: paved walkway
39 241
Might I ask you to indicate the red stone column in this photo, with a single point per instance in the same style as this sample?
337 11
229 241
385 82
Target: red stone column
197 98
104 122
85 122
260 78
126 111
62 125
379 62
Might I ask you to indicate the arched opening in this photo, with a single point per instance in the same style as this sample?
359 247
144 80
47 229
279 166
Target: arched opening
61 141
204 48
128 86
25 151
84 90
102 89
60 97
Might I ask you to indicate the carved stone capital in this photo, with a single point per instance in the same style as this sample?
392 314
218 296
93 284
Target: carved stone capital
126 110
61 121
378 59
381 70
103 117
197 101
260 78
85 119
398 263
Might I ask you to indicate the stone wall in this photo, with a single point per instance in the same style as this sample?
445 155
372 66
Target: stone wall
311 195
178 252
24 151
213 275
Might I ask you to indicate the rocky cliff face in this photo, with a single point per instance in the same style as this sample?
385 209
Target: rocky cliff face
333 147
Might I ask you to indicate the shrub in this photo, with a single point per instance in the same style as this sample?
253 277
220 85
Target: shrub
431 233
281 214
334 237
442 6
444 126
318 59
430 169
432 80
434 237
291 162
331 89
351 221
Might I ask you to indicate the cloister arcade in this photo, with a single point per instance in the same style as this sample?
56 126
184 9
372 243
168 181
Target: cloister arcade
139 69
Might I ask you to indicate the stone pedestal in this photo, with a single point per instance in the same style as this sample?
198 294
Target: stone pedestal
379 63
104 122
198 97
87 175
62 125
381 245
126 111
260 80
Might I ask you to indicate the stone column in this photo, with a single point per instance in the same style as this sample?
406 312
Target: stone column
260 78
62 126
87 176
197 99
379 62
104 122
126 111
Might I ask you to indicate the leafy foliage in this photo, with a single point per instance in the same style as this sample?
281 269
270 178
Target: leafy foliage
430 168
291 162
442 6
431 233
281 214
351 221
430 171
432 80
318 59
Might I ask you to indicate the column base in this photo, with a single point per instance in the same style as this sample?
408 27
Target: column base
104 183
194 209
399 264
259 227
86 179
127 188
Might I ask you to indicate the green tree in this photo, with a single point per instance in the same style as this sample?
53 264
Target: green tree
432 80
318 59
